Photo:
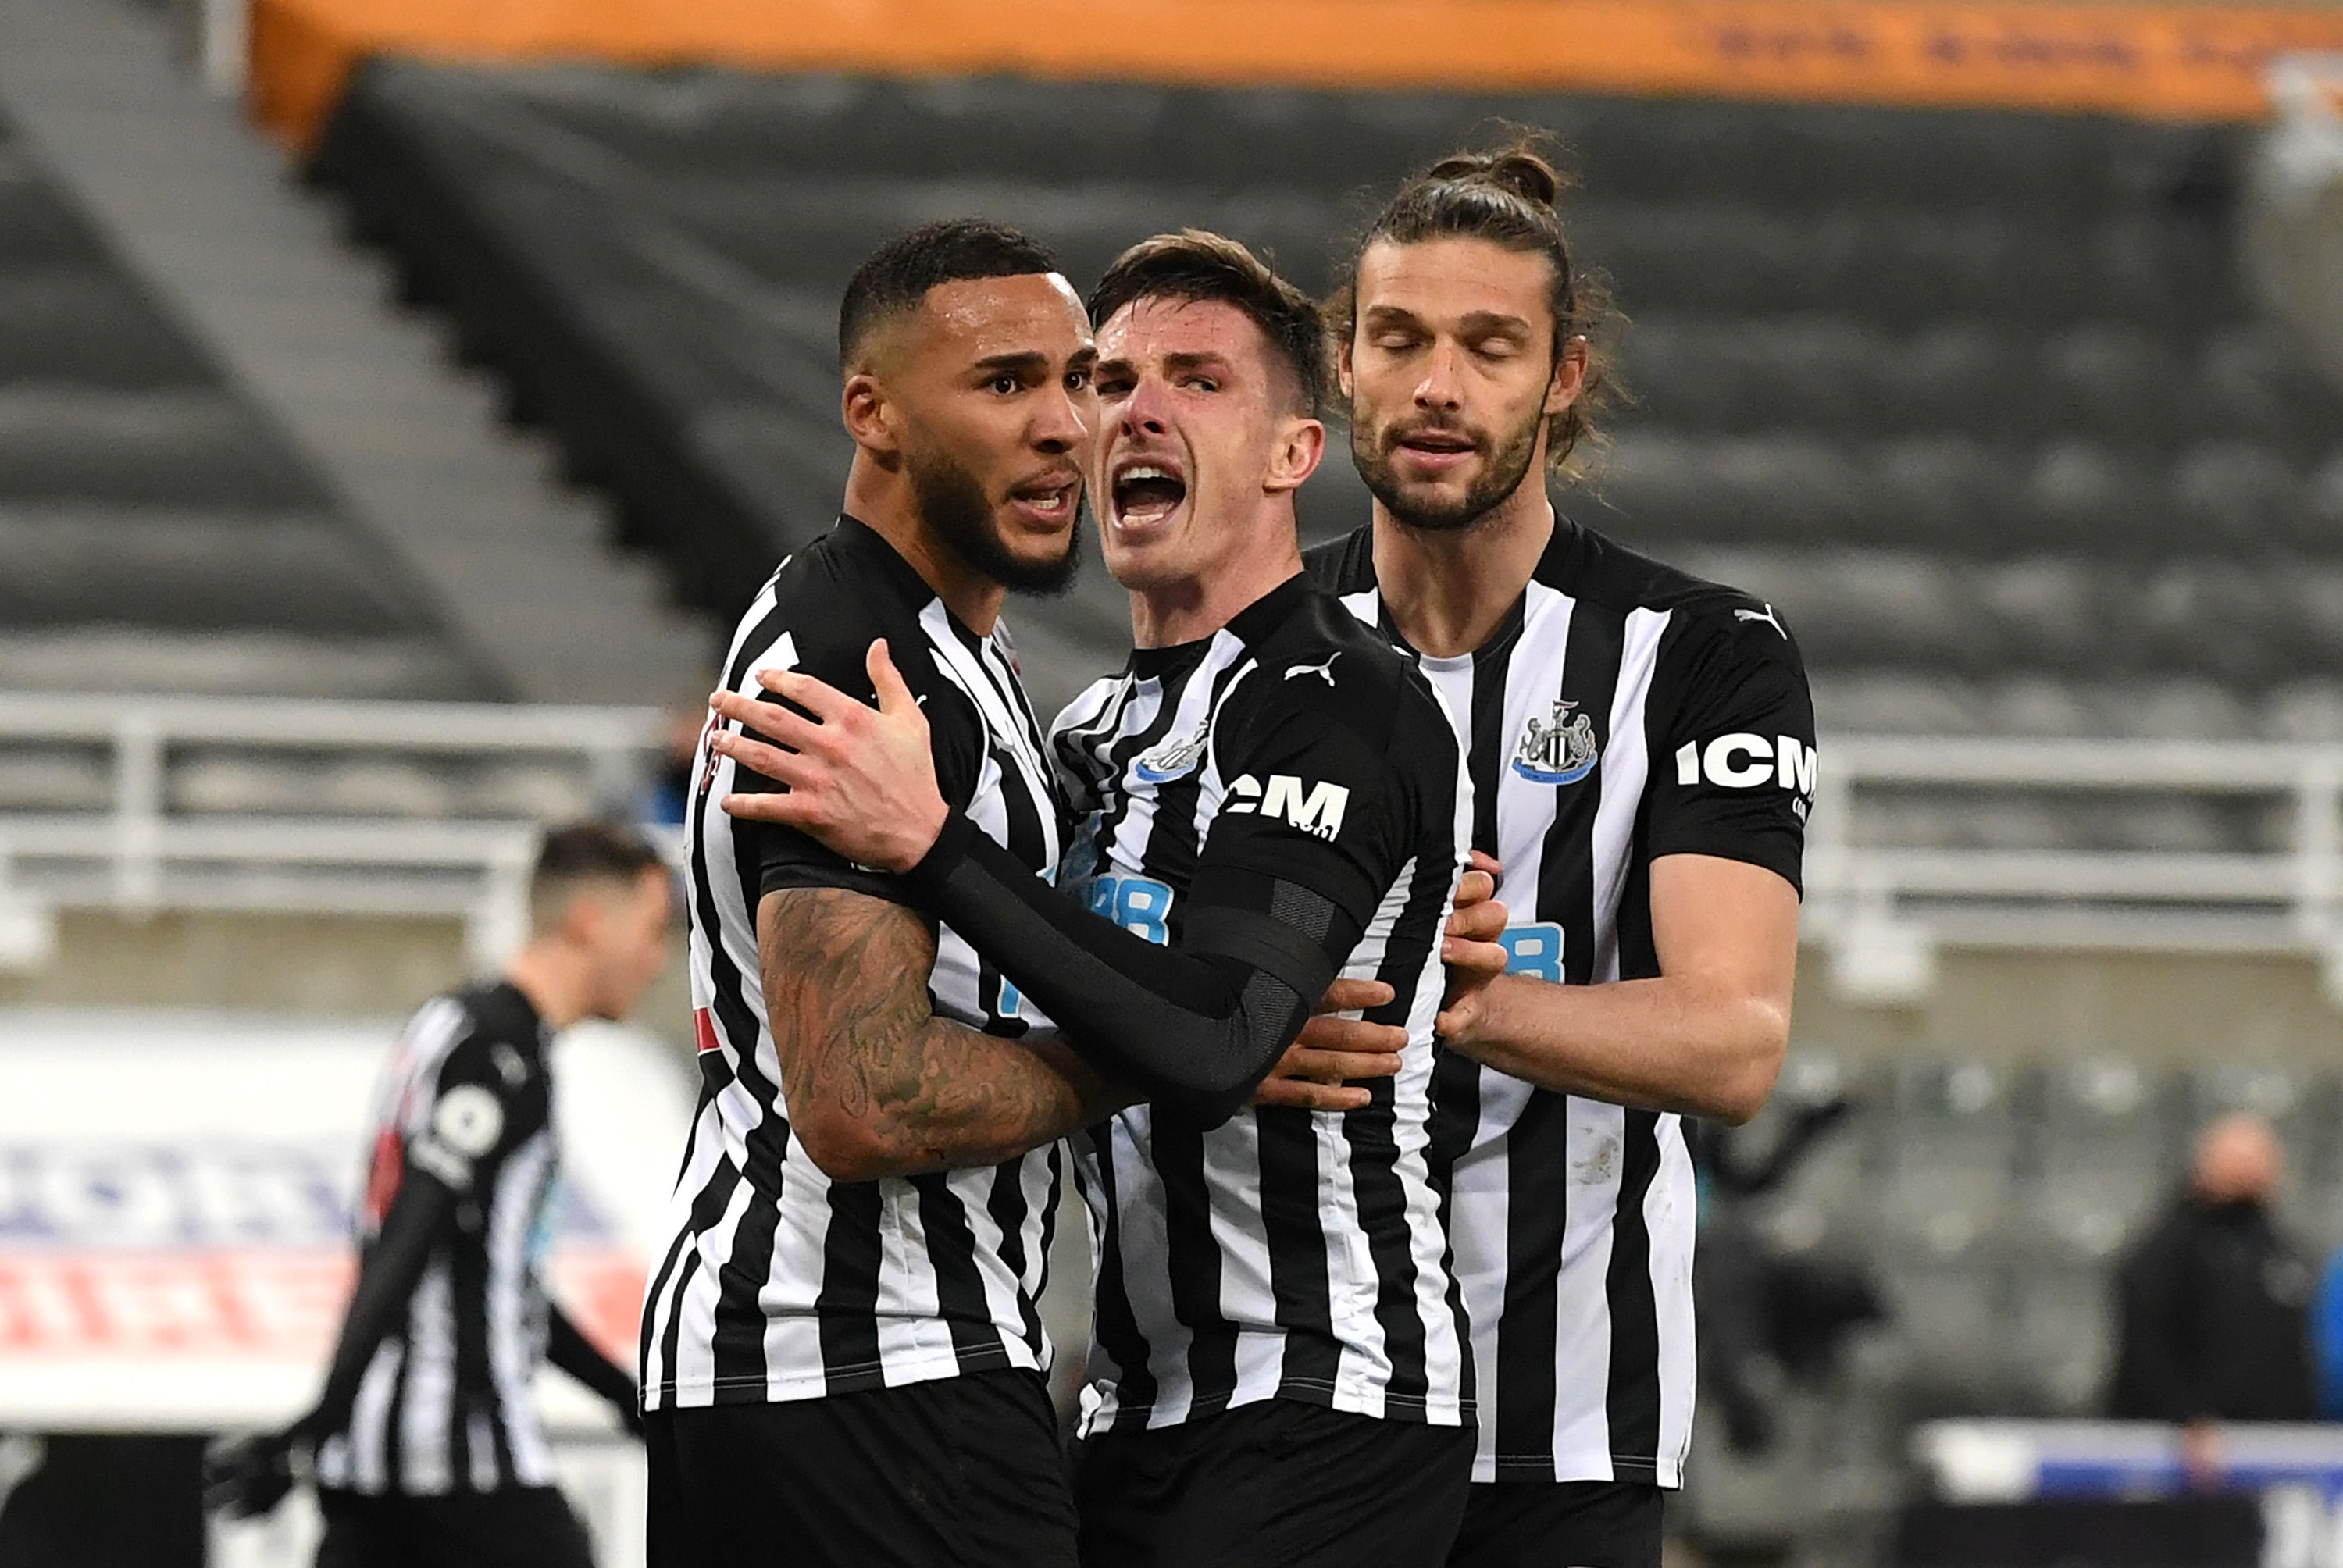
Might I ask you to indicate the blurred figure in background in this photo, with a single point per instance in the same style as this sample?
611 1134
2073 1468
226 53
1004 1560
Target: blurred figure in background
667 794
1771 1313
2213 1303
425 1444
2327 1339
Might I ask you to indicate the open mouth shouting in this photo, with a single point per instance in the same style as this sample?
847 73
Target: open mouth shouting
1144 492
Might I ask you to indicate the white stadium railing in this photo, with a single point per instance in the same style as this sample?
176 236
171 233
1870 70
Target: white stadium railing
135 852
1878 910
1882 909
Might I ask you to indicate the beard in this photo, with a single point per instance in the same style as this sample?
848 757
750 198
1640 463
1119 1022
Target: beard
1503 468
952 504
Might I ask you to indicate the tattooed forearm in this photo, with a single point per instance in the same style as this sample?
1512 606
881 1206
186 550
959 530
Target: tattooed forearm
877 1084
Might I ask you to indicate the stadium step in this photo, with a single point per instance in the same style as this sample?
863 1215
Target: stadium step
253 269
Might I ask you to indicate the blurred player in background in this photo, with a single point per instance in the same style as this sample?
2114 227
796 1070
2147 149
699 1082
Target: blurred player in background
1642 749
424 1445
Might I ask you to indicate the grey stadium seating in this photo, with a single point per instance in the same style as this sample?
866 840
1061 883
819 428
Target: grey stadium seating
158 532
1994 1202
1975 398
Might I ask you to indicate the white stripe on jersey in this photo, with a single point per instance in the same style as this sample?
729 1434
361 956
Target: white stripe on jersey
517 1329
430 1405
754 1303
1481 1219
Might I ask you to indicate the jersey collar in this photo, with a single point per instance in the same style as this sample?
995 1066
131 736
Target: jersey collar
1249 626
860 542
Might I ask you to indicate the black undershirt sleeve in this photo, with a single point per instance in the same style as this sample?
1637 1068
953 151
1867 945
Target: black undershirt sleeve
1202 1023
567 1347
424 1209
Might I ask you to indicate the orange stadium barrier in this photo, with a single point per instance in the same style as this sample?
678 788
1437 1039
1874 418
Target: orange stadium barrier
2167 61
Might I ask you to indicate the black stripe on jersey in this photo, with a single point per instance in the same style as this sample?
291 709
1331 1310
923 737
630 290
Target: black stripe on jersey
1590 674
1176 837
1194 1255
672 1341
1007 1207
1633 1399
1114 1326
848 1302
1492 668
502 1443
1024 839
1297 1245
1116 807
394 1416
1372 1134
960 1288
1537 1153
467 1270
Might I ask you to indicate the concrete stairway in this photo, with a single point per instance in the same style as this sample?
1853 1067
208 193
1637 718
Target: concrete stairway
411 448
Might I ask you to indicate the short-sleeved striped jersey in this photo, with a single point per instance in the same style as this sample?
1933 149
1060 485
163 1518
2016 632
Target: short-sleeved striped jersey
1623 711
781 1283
445 1405
1282 1253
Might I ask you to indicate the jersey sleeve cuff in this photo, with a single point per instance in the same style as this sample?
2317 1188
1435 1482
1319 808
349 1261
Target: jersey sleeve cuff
944 857
1785 863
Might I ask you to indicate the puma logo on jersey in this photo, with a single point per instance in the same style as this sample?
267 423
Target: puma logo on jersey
1324 672
1765 614
1314 807
1745 762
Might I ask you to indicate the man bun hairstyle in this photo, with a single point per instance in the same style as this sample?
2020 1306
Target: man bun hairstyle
1194 265
584 854
1511 197
898 276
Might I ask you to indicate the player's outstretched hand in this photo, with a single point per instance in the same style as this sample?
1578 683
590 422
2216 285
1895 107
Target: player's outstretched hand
1318 1070
244 1477
860 778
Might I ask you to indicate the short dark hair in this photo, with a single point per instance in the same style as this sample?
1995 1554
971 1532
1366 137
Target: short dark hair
582 853
1510 196
1194 265
896 276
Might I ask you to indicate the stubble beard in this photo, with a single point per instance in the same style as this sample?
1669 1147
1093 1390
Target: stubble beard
953 507
1508 466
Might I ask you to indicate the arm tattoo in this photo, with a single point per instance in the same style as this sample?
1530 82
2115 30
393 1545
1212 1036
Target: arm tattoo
846 989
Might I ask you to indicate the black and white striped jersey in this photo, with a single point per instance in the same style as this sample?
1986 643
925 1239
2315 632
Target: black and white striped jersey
1279 1253
780 1283
445 1403
1624 711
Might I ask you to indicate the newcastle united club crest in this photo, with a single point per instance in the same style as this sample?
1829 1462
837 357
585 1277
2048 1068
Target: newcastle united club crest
1557 750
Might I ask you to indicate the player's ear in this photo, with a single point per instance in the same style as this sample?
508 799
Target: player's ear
864 406
1343 377
1569 378
1294 456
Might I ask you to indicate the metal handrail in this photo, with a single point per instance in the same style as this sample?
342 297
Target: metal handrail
153 858
1877 908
